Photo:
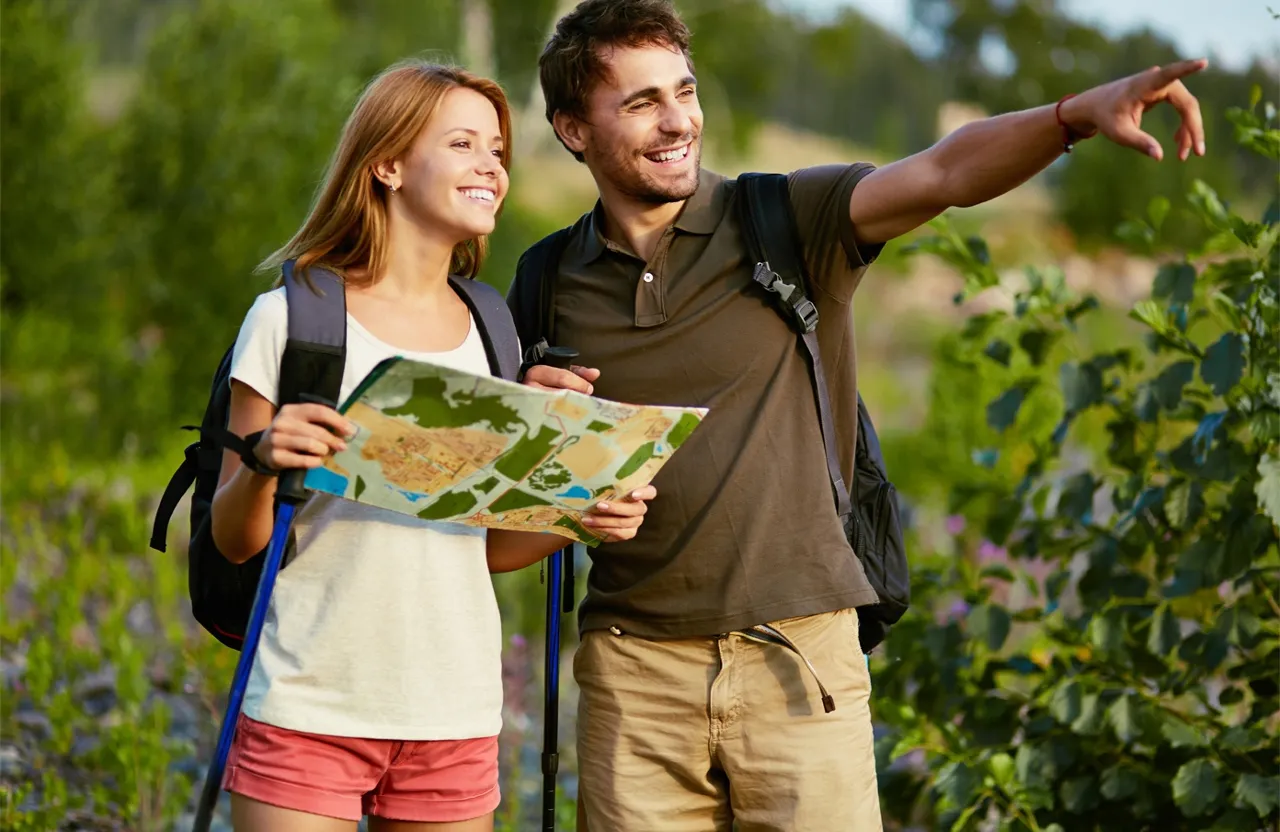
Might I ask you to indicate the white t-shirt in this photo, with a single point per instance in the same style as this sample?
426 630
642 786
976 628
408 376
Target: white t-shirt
381 625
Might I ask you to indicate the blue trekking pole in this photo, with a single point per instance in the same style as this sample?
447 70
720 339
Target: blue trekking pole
290 493
560 589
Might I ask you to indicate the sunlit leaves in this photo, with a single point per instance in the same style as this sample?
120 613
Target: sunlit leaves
1196 787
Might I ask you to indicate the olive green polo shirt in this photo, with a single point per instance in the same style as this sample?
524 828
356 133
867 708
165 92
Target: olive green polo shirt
744 529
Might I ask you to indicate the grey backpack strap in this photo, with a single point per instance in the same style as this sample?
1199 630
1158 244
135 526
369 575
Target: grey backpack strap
497 328
315 353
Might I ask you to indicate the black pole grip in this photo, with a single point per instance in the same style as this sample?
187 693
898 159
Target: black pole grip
290 489
559 357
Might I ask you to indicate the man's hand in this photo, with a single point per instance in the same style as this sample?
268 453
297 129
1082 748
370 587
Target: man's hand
553 378
1115 110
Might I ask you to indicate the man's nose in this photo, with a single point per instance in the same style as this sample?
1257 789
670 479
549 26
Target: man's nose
676 120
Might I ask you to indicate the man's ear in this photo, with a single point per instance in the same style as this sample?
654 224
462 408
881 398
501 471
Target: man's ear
388 172
572 131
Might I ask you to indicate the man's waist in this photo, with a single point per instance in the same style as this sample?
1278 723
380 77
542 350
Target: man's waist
673 622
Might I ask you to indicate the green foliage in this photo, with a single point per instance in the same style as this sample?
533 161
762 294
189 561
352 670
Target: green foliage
1120 664
1118 660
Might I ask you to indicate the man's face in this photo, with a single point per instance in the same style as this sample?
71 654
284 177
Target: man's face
643 133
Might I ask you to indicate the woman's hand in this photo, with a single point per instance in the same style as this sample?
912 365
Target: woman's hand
619 519
301 436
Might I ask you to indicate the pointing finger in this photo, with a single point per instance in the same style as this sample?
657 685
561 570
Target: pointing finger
1179 69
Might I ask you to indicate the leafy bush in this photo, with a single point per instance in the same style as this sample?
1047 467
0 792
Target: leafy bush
1106 651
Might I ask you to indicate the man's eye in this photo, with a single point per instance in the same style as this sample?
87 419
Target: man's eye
686 93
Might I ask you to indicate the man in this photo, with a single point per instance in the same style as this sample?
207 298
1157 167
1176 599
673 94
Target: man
685 723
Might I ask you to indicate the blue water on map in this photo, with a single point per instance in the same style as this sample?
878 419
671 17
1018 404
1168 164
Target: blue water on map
576 493
322 479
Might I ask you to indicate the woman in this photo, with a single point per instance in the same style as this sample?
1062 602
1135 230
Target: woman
377 686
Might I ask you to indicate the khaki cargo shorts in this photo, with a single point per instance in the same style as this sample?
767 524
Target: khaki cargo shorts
726 732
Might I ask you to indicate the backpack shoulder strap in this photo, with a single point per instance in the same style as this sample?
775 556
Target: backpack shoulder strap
497 330
769 229
532 296
315 353
314 358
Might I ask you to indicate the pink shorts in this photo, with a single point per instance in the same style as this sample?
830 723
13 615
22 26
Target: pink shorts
432 781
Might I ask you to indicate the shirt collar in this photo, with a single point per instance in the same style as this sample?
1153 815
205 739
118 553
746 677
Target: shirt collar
701 214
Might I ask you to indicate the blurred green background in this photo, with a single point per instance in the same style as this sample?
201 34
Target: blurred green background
155 150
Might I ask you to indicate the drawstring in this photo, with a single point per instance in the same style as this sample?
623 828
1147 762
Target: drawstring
768 634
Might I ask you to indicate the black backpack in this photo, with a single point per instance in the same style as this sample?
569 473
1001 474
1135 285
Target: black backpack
870 511
311 368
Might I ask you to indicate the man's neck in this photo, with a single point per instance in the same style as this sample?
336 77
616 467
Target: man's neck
639 225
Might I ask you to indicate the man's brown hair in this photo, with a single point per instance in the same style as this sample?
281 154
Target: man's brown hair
571 62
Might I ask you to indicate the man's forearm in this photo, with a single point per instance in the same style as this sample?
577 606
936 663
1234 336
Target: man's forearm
987 158
976 163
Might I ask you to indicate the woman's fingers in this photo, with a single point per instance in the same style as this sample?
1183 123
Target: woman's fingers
285 460
326 418
614 529
620 518
302 435
307 443
314 433
619 508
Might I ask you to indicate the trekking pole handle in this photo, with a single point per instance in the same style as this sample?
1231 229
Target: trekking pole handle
291 488
559 357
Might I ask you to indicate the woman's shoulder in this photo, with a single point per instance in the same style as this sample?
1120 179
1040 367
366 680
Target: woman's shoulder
270 308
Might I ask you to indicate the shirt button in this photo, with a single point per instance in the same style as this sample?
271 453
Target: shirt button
648 277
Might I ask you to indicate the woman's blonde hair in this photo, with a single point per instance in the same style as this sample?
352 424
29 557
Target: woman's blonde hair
348 222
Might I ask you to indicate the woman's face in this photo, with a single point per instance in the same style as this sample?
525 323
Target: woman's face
452 180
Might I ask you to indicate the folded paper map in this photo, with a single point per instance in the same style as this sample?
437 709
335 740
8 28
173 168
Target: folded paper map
442 444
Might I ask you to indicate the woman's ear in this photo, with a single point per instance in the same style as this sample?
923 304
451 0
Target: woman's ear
570 130
388 173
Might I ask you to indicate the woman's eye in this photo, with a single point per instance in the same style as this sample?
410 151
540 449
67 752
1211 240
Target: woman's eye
462 143
497 153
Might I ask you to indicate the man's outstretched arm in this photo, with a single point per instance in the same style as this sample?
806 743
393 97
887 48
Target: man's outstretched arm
987 158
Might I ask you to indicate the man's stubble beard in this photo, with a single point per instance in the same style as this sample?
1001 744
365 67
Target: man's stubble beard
630 182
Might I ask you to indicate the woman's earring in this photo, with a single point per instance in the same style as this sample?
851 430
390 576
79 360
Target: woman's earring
392 187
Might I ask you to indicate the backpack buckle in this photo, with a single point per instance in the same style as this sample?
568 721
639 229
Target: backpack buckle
791 298
533 354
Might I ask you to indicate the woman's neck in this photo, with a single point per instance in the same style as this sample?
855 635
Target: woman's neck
416 263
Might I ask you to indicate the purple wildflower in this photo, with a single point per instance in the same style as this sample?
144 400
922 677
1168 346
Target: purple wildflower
990 551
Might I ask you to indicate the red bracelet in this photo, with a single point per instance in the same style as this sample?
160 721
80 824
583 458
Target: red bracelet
1069 136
